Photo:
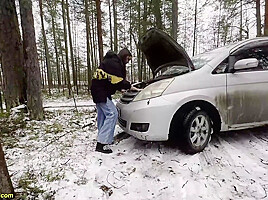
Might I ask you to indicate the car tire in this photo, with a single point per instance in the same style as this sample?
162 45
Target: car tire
197 129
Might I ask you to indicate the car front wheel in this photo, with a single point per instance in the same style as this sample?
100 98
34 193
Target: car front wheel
197 131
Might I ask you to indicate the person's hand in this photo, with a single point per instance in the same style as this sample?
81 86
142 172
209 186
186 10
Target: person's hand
133 88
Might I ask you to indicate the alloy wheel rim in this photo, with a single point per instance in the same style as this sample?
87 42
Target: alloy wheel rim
199 131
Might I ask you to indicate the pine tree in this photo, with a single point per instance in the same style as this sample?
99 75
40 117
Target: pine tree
12 55
47 56
266 19
52 8
66 48
174 32
6 186
99 29
89 71
115 25
71 45
34 100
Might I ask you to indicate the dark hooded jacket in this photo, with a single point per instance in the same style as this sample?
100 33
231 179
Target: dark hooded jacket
111 64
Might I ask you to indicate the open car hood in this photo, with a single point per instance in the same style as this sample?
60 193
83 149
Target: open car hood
160 49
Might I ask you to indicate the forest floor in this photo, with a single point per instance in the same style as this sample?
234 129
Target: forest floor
56 159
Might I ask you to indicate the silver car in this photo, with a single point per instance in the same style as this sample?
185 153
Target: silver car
189 99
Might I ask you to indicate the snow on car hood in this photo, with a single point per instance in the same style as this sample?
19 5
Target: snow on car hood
160 49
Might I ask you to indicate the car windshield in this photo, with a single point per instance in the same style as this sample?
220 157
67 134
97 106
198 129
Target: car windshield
173 71
200 60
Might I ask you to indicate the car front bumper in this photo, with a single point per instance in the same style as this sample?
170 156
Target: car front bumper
154 114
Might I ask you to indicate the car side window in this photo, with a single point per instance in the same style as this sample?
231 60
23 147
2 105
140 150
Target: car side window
260 53
221 68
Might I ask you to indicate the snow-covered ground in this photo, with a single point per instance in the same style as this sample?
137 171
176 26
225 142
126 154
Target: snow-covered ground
55 158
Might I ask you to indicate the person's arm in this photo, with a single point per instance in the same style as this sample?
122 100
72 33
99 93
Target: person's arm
133 88
123 85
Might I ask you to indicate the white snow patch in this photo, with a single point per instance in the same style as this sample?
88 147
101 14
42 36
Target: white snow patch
58 156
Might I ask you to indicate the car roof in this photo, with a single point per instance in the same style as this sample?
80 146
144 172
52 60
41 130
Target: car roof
233 46
237 45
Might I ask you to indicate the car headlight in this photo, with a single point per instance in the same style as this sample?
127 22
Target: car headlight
154 90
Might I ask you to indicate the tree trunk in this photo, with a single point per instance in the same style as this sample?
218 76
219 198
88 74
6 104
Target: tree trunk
71 45
44 72
94 46
174 19
89 72
6 186
130 39
145 15
258 17
91 45
41 69
34 100
1 85
63 74
66 48
115 26
157 14
195 24
53 14
99 29
138 49
185 27
76 58
92 39
241 20
110 23
12 55
49 75
266 19
144 23
219 26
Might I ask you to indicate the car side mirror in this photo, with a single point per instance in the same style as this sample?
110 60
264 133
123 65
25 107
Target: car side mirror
246 63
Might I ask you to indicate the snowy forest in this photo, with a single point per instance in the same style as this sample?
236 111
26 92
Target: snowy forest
49 51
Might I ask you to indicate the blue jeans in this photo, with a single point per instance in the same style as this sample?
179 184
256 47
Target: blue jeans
106 119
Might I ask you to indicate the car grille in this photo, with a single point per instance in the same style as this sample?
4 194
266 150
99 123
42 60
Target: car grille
128 97
122 122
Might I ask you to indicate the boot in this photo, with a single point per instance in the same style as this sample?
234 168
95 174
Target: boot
103 148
